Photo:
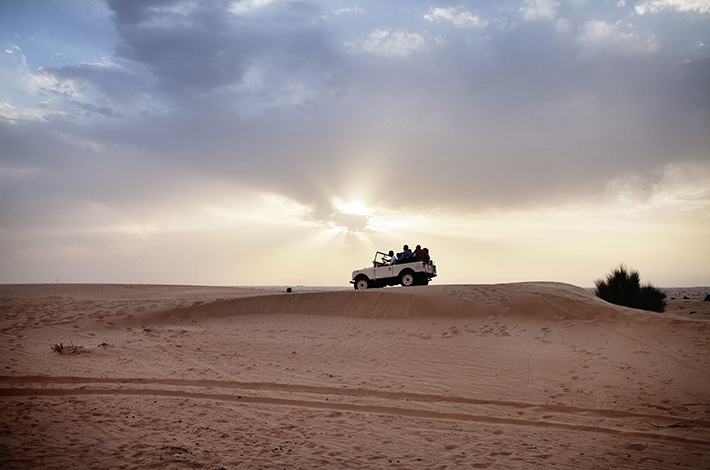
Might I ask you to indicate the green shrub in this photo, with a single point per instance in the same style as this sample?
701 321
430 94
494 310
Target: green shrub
622 287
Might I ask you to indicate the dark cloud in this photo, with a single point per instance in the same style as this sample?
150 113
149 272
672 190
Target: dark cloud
199 50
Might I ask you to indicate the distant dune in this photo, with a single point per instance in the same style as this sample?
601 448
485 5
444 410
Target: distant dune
445 376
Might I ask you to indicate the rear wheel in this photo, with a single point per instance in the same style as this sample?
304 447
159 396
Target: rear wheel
362 283
407 279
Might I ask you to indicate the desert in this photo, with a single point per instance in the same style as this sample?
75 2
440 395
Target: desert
522 375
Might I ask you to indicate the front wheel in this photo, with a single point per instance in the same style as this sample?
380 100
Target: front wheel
361 283
407 279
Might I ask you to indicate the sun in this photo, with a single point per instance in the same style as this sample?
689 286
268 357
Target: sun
352 207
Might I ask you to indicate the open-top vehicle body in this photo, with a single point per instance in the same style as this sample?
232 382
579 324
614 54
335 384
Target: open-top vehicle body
410 272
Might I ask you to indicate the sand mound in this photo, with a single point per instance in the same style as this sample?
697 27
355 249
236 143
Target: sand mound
513 376
533 300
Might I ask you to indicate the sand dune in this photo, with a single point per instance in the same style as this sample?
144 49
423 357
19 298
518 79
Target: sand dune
542 301
494 376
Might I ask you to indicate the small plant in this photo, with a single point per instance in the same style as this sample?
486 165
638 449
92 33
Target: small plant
61 349
623 287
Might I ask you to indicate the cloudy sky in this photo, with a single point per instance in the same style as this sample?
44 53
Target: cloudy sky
278 142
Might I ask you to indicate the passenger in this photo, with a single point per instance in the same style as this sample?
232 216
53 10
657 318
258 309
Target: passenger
406 253
426 254
419 253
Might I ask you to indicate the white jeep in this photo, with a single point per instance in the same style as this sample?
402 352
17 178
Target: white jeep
410 272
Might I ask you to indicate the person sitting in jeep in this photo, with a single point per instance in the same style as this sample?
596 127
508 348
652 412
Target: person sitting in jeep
421 254
404 255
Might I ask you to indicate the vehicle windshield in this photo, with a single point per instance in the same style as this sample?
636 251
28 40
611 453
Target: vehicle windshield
381 258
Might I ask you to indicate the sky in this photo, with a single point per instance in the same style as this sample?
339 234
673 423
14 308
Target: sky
278 142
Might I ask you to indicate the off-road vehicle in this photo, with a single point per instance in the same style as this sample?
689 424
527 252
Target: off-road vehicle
410 272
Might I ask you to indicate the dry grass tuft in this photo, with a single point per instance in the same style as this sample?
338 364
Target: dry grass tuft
61 349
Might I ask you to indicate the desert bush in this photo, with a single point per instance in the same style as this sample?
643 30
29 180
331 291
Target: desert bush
623 287
61 349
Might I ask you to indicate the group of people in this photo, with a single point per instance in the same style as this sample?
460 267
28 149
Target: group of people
407 255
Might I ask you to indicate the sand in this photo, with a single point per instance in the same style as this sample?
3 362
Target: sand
528 375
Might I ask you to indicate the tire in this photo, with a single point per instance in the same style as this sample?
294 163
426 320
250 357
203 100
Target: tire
362 283
423 281
407 279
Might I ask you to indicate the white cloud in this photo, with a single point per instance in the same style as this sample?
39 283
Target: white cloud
12 114
17 61
654 6
617 36
681 188
383 43
537 9
83 90
354 9
20 91
49 80
105 63
63 86
563 26
246 6
460 19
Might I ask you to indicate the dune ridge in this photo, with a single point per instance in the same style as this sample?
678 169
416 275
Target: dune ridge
532 300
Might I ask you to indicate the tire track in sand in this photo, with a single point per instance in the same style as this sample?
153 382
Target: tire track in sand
411 398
